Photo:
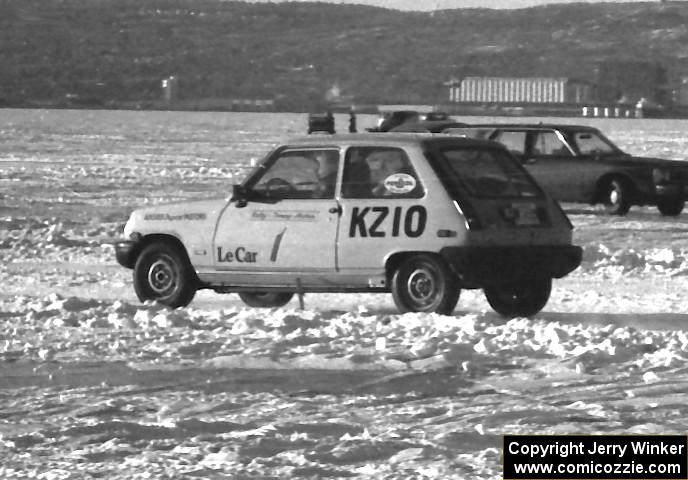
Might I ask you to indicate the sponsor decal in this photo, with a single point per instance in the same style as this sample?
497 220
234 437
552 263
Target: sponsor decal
172 218
284 215
238 255
386 222
276 245
400 183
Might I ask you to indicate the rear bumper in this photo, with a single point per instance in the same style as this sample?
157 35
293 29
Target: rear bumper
481 266
125 252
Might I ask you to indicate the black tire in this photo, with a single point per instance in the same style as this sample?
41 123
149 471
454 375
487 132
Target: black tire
670 207
266 299
519 299
617 197
163 273
424 283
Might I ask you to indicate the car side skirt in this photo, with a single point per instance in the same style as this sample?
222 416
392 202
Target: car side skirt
313 281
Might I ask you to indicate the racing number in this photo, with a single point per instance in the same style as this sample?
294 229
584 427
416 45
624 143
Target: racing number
376 221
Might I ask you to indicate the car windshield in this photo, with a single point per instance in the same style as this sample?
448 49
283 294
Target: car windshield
589 142
489 172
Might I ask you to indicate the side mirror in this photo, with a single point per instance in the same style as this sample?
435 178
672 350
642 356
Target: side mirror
239 196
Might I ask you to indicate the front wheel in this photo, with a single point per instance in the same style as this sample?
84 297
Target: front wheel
670 207
163 273
519 299
265 299
617 197
423 283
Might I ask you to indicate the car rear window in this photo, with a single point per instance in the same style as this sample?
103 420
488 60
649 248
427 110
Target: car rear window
489 172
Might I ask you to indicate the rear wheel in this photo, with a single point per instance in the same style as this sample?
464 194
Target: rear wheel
163 273
423 283
265 299
519 299
617 197
670 207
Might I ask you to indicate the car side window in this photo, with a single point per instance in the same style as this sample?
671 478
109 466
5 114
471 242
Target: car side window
379 172
549 143
299 174
590 144
515 142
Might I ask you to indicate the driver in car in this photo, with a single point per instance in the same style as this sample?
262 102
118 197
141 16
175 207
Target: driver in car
326 174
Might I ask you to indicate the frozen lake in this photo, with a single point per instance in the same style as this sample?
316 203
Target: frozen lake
94 384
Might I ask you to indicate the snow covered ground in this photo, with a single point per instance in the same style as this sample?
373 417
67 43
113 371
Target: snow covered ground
93 383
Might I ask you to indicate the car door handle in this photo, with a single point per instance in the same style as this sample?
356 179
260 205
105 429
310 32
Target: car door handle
337 210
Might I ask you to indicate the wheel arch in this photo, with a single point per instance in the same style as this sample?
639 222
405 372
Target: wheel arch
168 238
395 260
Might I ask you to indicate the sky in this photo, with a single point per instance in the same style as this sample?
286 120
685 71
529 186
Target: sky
426 5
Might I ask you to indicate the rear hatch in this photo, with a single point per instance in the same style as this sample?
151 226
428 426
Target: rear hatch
501 202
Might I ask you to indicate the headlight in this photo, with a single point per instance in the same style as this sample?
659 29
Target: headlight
660 175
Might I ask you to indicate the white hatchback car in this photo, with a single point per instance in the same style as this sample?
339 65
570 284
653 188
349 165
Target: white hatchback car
420 215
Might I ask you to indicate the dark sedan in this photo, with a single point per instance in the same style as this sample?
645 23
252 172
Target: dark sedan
428 126
576 163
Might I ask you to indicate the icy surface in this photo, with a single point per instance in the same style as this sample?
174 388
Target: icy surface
95 384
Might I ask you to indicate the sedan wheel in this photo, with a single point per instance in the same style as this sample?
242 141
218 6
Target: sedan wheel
617 199
519 299
670 207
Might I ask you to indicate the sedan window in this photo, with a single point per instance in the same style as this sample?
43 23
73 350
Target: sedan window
589 143
489 172
514 141
549 143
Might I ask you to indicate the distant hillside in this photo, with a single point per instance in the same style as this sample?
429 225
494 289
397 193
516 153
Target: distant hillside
113 51
429 5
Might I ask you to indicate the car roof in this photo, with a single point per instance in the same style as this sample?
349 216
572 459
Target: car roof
400 139
534 126
401 112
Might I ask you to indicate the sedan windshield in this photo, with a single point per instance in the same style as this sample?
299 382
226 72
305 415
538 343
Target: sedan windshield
489 172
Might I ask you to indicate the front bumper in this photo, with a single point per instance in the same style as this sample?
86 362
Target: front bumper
126 252
482 266
672 190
